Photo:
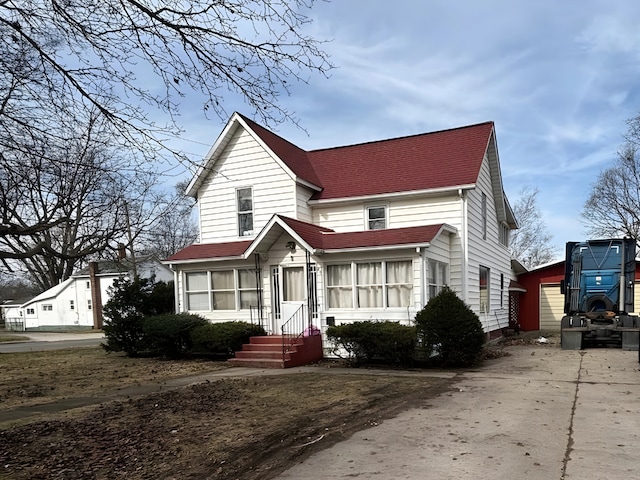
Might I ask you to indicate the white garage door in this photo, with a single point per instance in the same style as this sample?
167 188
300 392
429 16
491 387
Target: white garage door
551 306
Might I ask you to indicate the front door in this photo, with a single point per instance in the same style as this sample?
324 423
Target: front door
293 290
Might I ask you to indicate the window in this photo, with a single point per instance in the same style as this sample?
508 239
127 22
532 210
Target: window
245 212
376 285
504 234
377 218
437 277
484 216
399 284
31 311
197 293
72 305
88 285
89 304
47 307
501 290
339 286
247 288
223 290
484 290
369 284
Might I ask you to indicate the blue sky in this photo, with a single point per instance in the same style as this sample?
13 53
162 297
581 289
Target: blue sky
559 79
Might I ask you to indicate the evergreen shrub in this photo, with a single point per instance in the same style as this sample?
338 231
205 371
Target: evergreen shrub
223 339
449 331
369 341
130 301
169 334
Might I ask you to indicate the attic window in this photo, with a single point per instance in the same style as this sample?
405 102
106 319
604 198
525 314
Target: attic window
377 217
245 212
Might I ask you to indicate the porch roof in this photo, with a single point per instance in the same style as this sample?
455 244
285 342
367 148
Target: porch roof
214 251
327 240
318 239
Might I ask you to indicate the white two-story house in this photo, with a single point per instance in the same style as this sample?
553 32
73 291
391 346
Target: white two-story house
360 232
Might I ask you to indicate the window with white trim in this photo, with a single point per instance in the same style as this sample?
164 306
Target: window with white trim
504 234
377 217
197 291
437 277
485 275
72 305
339 286
245 211
31 311
89 304
236 289
370 284
47 307
223 290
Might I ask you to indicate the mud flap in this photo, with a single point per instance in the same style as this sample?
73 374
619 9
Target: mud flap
571 339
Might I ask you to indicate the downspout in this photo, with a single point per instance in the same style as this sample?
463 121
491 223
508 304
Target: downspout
464 243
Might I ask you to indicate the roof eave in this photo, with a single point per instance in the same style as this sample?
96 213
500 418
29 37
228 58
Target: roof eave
411 193
379 248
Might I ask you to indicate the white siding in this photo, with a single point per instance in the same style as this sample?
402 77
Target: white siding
243 163
402 212
487 252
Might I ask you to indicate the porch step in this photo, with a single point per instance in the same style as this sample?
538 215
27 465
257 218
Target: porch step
266 352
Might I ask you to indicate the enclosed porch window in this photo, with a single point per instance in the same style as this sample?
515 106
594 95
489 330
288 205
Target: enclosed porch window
233 289
374 285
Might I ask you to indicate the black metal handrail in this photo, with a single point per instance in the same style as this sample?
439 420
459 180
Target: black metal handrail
294 328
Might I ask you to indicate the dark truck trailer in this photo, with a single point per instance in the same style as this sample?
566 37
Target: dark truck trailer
598 295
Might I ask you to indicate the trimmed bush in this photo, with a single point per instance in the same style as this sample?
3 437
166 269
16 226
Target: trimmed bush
169 335
223 339
450 331
367 342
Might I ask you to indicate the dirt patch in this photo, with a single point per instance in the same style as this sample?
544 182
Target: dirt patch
249 428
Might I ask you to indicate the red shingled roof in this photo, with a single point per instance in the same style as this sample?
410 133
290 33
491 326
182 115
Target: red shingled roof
199 251
446 158
327 239
319 238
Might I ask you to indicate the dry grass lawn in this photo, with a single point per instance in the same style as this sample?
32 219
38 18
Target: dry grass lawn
230 428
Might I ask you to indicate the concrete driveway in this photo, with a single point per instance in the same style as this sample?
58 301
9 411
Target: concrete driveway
541 413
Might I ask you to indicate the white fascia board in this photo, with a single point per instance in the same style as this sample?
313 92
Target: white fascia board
211 155
277 159
387 196
265 231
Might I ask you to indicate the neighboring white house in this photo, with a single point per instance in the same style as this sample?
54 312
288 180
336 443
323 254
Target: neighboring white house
73 302
361 232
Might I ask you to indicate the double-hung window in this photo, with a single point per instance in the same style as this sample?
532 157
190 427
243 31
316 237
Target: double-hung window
437 273
377 217
223 290
197 292
245 211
